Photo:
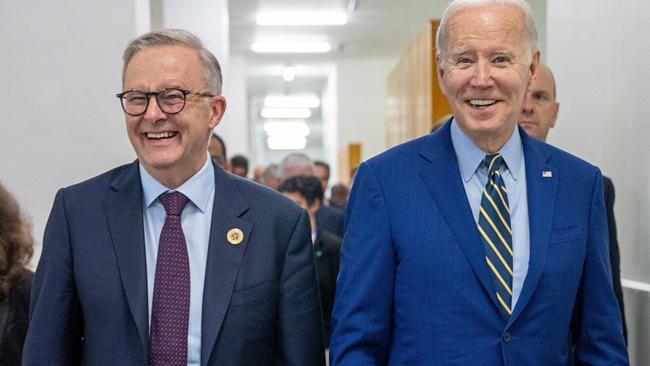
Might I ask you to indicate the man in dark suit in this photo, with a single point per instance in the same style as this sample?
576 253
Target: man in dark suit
307 192
170 260
538 115
477 245
329 218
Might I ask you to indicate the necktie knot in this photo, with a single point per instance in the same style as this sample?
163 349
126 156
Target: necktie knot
493 162
174 203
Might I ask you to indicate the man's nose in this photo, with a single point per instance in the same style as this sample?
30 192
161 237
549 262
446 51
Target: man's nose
482 77
527 105
153 112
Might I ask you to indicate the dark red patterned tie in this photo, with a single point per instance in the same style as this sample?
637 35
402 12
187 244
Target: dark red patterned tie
171 289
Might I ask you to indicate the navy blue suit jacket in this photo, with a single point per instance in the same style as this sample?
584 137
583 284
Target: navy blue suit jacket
414 287
89 299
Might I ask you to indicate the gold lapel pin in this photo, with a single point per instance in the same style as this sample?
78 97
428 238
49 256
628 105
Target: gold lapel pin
235 236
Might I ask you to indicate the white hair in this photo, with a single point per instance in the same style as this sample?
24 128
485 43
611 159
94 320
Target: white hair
530 29
296 161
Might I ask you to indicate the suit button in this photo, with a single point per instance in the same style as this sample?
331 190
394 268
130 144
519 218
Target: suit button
506 337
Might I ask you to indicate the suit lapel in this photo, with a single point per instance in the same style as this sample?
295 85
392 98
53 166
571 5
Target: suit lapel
224 258
123 207
542 188
442 179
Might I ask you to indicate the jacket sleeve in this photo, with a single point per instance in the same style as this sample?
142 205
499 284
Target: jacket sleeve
363 304
55 331
599 332
301 326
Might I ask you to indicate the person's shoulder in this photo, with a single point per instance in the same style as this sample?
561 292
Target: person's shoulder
103 180
260 197
563 160
401 152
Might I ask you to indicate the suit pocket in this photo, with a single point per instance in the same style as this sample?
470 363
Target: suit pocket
256 293
564 235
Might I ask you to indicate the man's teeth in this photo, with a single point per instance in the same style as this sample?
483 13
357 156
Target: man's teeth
482 102
160 135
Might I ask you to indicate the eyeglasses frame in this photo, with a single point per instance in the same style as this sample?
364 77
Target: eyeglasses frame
185 93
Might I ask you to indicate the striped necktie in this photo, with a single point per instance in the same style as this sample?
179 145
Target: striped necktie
496 233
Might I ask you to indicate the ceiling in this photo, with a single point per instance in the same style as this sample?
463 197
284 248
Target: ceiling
376 28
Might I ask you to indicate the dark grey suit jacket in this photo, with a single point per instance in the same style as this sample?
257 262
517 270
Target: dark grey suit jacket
89 299
614 254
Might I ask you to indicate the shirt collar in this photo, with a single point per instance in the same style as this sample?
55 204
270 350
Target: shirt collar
470 156
197 189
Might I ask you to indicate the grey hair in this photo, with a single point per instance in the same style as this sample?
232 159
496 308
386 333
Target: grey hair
456 5
296 161
177 37
271 172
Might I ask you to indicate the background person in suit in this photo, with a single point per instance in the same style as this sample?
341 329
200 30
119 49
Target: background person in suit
170 260
15 280
475 244
329 218
307 192
538 115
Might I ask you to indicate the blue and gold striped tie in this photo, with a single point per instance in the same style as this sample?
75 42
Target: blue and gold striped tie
496 233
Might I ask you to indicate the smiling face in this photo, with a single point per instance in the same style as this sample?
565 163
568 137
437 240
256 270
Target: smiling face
485 70
171 147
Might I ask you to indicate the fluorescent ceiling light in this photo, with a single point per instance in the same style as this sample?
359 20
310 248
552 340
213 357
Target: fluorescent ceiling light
314 17
286 113
286 142
292 47
274 128
288 73
292 101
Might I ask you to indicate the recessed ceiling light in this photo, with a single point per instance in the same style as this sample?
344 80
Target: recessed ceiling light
278 128
292 101
291 47
288 73
291 18
286 142
286 113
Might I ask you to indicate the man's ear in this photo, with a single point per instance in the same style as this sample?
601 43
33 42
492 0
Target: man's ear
534 66
555 113
218 108
441 74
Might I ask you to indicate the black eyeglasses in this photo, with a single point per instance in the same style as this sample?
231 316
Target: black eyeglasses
170 100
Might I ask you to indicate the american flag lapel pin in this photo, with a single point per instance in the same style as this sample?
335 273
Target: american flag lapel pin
547 174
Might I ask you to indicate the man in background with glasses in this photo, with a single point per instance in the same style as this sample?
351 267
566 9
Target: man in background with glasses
169 260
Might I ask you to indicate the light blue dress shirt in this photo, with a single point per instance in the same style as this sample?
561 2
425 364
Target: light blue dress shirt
195 220
474 176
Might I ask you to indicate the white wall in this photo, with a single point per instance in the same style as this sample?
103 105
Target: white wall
361 95
599 51
61 122
234 127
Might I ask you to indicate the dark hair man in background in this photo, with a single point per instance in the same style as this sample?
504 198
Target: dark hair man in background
217 150
538 115
156 262
239 165
477 244
307 192
322 172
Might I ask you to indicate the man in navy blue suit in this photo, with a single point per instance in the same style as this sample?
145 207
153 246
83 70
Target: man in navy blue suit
478 245
170 260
